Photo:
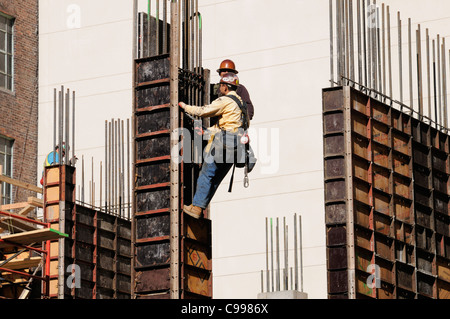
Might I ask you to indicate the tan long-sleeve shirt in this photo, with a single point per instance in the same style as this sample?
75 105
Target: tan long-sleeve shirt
223 107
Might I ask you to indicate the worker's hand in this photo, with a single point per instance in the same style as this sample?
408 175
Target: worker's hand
199 130
182 105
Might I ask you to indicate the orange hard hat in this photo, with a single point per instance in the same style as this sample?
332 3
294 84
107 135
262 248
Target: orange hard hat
227 66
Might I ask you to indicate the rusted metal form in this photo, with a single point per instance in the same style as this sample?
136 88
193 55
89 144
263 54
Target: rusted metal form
95 261
386 200
152 189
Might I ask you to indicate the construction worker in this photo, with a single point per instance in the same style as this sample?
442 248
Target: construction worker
230 120
53 158
229 66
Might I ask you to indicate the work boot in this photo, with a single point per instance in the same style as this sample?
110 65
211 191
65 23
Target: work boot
193 211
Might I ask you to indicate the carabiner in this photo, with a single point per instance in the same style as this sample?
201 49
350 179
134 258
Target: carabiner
246 181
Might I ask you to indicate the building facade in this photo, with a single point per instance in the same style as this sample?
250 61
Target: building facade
18 95
282 51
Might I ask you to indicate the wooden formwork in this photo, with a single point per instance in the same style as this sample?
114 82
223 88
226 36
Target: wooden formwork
386 200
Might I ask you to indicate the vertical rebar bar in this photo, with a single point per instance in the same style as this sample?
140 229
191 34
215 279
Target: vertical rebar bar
119 165
267 254
378 53
436 119
292 279
400 58
438 54
128 169
338 42
285 283
383 46
66 128
369 45
278 255
295 254
428 74
343 43
92 181
114 172
364 34
195 15
191 35
347 42
100 188
331 43
157 28
262 281
61 123
123 170
111 151
106 167
374 41
271 254
360 77
149 12
55 102
411 93
73 128
200 41
165 49
301 251
185 35
351 47
389 51
444 84
419 71
82 178
110 167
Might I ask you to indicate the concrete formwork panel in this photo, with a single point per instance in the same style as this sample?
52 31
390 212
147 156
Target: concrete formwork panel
386 200
152 189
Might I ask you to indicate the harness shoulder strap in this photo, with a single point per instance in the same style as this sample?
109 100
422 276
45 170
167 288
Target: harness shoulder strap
242 107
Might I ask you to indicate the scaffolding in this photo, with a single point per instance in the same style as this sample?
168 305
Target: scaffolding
24 247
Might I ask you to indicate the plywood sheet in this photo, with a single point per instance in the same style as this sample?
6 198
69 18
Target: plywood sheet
30 237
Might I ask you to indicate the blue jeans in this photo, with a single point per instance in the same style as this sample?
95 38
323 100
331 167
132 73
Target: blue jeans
211 175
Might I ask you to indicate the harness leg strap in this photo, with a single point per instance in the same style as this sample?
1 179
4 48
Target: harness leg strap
231 180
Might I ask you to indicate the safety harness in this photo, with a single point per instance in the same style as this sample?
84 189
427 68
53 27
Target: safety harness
250 159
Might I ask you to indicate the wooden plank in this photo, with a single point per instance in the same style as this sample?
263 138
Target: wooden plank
30 237
33 201
14 206
16 224
26 210
22 263
17 183
38 202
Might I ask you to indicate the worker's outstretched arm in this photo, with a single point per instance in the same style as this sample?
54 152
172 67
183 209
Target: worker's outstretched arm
214 109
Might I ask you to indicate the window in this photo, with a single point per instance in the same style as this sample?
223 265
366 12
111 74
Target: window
6 52
6 150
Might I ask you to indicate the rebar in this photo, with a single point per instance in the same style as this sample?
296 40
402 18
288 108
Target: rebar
372 71
278 277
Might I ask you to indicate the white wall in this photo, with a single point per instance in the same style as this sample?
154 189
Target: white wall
85 46
281 51
281 48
